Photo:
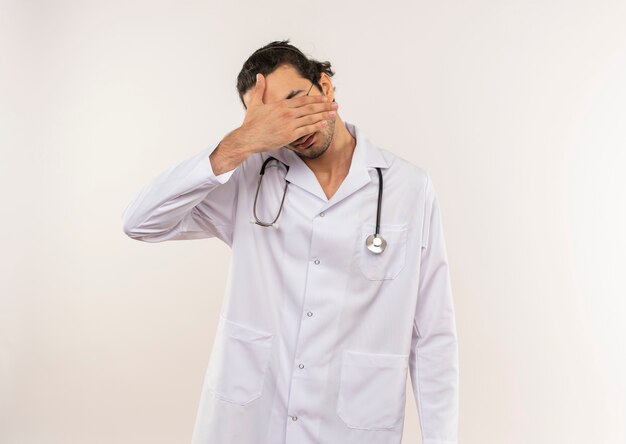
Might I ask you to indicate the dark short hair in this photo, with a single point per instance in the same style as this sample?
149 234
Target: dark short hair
265 60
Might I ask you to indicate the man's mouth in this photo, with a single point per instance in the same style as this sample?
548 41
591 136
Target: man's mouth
304 141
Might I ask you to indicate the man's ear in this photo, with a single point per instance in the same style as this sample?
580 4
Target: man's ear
325 78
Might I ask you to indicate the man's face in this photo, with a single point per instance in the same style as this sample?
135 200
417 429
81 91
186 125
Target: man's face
285 82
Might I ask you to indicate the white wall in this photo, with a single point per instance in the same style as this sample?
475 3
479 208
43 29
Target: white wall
515 108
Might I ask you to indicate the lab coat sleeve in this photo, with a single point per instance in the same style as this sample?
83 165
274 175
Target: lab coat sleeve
434 353
186 201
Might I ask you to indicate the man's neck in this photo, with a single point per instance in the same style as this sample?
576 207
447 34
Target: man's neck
334 164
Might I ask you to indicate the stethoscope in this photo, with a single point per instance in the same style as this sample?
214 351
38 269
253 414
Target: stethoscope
374 242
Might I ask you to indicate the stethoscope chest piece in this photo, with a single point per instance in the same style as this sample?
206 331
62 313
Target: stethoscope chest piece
375 243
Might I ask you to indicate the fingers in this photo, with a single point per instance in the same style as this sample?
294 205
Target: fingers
259 89
296 102
314 118
308 129
314 108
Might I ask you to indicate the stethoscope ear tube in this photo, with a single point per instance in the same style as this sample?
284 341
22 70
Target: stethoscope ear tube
256 196
380 200
375 242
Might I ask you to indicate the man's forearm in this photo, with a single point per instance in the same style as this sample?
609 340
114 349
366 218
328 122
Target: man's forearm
229 153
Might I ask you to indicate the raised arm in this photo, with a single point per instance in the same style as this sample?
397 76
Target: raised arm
197 198
193 199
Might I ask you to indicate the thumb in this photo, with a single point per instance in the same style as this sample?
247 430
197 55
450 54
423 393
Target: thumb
259 89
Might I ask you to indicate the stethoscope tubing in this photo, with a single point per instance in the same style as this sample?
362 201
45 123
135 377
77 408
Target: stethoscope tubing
380 200
379 242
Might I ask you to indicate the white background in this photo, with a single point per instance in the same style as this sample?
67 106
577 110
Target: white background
517 109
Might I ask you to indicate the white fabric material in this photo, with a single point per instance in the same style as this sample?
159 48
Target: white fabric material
317 334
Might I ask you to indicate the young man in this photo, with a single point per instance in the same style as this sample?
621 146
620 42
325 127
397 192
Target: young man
339 282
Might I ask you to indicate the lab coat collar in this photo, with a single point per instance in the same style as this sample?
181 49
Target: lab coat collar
366 156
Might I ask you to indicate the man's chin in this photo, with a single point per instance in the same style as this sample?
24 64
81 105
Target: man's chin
311 152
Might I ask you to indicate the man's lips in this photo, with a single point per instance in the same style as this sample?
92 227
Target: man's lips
303 143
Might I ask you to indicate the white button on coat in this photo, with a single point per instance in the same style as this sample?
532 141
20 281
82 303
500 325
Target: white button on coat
377 316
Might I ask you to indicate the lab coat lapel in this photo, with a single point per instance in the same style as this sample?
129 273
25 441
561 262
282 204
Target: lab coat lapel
299 173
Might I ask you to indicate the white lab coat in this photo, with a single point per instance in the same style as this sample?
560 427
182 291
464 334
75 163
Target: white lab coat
317 334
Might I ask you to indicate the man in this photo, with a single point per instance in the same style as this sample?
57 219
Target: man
330 303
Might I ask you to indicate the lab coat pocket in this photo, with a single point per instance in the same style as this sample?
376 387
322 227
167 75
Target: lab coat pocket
388 263
239 362
372 390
